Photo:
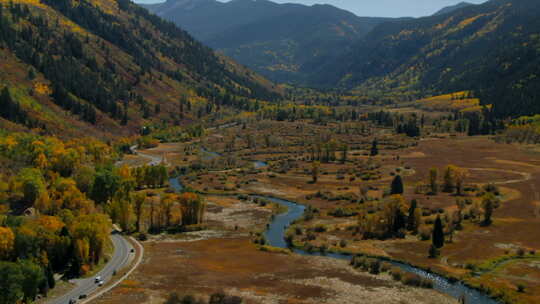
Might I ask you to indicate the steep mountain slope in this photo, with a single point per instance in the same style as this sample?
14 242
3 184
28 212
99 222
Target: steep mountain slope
450 9
492 48
281 41
106 68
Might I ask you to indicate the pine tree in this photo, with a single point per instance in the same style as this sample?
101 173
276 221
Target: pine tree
438 233
374 150
397 185
50 277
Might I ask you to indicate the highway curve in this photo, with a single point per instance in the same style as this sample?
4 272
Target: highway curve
122 251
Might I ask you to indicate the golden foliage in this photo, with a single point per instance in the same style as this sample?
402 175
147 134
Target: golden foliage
51 223
42 89
7 240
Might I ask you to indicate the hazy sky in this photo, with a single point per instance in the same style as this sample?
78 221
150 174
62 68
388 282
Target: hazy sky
378 8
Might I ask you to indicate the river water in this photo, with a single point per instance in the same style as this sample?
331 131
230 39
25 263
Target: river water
275 236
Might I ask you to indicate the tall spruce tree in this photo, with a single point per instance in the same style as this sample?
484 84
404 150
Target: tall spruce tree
438 233
397 185
374 149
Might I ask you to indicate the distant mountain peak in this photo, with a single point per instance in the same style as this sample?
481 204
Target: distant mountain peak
187 4
449 9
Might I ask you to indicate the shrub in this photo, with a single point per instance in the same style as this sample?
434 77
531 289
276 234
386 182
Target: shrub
374 266
433 252
396 273
221 298
385 266
424 233
411 279
320 228
426 283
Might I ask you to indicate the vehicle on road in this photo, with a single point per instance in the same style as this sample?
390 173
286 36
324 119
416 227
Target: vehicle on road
83 296
72 301
100 283
97 279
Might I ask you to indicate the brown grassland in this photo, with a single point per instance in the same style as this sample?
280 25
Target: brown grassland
499 257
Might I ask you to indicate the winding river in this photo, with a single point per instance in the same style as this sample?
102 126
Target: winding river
275 235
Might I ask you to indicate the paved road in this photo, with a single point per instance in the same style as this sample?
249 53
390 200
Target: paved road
122 252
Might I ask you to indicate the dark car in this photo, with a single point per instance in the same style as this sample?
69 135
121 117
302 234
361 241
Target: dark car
72 301
83 296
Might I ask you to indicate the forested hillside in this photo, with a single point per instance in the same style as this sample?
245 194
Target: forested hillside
108 67
491 48
284 42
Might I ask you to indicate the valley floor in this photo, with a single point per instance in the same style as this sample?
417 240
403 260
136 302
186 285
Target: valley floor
497 258
223 259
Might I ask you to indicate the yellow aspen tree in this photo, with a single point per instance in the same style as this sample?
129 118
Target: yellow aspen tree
7 241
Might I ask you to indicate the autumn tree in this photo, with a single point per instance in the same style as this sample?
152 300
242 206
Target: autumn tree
84 178
392 216
32 183
138 204
344 151
449 180
95 229
412 218
121 211
433 185
460 175
7 241
65 194
152 216
192 208
315 171
166 205
489 201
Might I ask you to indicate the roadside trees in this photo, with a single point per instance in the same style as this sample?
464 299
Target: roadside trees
192 208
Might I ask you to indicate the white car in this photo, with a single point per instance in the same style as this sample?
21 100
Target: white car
100 283
97 279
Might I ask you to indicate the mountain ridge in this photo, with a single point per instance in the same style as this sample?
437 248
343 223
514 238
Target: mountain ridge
451 8
490 48
279 41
